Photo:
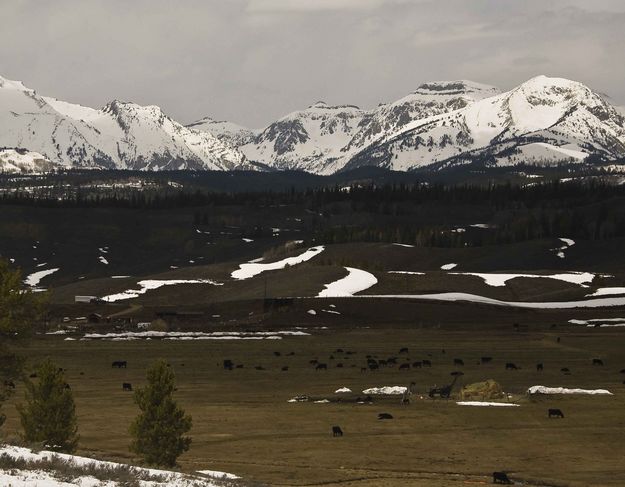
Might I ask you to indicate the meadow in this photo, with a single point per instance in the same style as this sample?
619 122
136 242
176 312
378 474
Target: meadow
243 423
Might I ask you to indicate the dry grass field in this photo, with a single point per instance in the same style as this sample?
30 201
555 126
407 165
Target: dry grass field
243 423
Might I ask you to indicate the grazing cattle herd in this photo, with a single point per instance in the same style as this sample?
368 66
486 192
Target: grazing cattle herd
374 364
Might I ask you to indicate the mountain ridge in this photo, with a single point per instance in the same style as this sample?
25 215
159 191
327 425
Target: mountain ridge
543 121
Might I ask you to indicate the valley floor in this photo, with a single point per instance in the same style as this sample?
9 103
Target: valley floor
244 424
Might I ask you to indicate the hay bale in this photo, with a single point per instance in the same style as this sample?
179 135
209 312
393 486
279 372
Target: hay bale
159 324
482 391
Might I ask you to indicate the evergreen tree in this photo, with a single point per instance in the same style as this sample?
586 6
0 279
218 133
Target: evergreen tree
19 309
49 415
158 432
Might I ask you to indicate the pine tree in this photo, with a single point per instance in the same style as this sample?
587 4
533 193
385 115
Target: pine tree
19 309
49 415
159 429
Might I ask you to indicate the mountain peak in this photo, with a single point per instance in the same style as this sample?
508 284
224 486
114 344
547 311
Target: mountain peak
8 84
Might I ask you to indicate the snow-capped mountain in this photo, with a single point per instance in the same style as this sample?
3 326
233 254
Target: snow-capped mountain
323 138
120 135
543 121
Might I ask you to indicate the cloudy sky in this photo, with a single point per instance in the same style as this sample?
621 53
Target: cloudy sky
252 61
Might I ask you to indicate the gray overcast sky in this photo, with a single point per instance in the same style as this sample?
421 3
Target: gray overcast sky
252 61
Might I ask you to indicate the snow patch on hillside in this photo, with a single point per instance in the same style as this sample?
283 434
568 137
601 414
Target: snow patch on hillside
356 281
251 269
150 284
500 279
35 278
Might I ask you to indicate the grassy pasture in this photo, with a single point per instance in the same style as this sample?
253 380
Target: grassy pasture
243 423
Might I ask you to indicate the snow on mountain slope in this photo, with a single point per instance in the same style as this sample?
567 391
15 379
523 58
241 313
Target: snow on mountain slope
120 135
306 139
548 120
322 138
232 133
21 161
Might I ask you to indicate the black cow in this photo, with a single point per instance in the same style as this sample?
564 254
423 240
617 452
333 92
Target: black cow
339 350
404 367
313 361
403 350
555 413
285 368
321 367
337 431
385 416
228 365
277 354
597 361
426 363
511 366
126 386
373 366
458 361
501 478
565 370
486 360
119 364
259 367
363 369
622 371
417 365
339 365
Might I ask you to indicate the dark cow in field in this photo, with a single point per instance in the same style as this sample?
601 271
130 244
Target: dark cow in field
486 360
404 367
539 367
285 368
555 413
321 367
373 366
565 370
339 365
126 386
458 361
501 478
313 361
337 431
385 416
417 365
239 366
259 367
363 369
426 363
456 373
511 366
228 365
403 350
597 361
622 371
339 350
277 354
391 360
33 376
119 364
